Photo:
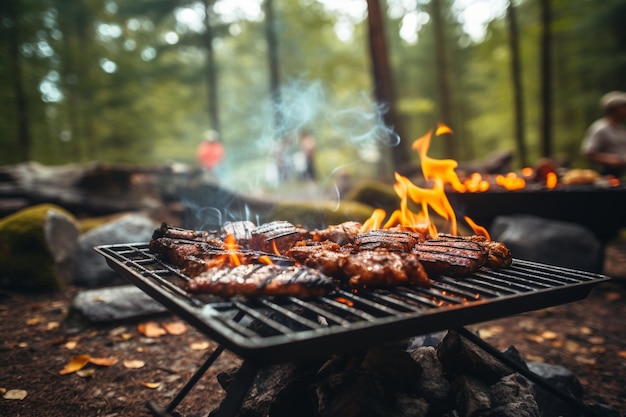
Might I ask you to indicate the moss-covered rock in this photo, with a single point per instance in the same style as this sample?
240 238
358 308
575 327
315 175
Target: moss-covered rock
37 249
318 214
374 193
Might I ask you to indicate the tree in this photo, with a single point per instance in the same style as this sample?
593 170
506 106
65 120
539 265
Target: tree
546 78
443 71
516 79
11 15
382 76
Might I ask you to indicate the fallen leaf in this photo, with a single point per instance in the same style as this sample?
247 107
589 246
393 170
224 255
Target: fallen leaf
534 338
585 330
85 373
104 361
596 340
32 321
585 360
175 328
535 358
76 364
134 364
549 335
199 346
613 296
126 336
2 390
52 325
22 344
117 331
597 349
151 329
15 394
71 344
151 385
622 354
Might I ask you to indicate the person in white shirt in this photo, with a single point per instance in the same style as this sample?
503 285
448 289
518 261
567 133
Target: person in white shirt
605 141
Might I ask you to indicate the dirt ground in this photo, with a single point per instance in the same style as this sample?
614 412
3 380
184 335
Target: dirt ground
125 368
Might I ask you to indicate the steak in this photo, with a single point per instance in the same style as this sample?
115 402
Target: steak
257 280
454 257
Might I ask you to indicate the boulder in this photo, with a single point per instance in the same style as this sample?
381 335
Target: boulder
91 269
38 249
114 304
547 241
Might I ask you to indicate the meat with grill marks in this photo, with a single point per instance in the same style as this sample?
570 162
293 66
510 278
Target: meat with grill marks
177 251
384 268
276 236
172 232
498 255
326 256
390 239
259 280
341 233
450 257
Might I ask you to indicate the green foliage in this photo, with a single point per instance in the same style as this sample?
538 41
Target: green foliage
102 82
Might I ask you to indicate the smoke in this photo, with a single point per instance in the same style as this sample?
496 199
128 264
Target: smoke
348 128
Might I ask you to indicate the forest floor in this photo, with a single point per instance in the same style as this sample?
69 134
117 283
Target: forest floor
123 368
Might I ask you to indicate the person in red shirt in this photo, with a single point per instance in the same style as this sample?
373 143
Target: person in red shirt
210 151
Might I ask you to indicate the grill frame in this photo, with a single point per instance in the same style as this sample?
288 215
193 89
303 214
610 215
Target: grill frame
524 286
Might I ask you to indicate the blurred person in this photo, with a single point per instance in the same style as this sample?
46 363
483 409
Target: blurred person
307 147
605 140
210 152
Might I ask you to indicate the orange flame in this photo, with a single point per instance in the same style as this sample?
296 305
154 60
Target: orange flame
438 173
232 249
551 180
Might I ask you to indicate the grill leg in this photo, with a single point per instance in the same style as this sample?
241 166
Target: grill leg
169 410
575 403
237 390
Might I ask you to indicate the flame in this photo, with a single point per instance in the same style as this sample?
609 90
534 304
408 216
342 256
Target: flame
551 180
264 259
232 249
438 173
511 181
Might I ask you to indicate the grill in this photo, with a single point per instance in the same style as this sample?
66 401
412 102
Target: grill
268 330
285 328
568 203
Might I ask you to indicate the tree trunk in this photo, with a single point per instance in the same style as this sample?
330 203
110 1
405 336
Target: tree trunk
383 78
516 77
545 74
274 69
211 68
21 104
443 85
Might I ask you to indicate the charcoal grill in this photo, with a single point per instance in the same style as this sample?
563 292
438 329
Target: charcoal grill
269 330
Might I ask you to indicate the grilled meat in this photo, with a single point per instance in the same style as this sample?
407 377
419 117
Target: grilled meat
258 280
195 265
498 255
341 233
276 236
454 257
185 234
390 239
241 230
178 251
383 268
325 256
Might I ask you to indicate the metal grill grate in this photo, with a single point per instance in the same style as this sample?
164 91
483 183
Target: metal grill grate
274 329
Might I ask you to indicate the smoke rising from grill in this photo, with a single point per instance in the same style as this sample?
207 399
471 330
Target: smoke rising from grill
349 134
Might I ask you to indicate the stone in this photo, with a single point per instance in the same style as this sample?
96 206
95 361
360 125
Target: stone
513 396
562 379
38 249
114 304
432 383
91 269
549 241
471 395
459 355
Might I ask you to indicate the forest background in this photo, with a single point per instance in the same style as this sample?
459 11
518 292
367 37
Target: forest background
140 82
